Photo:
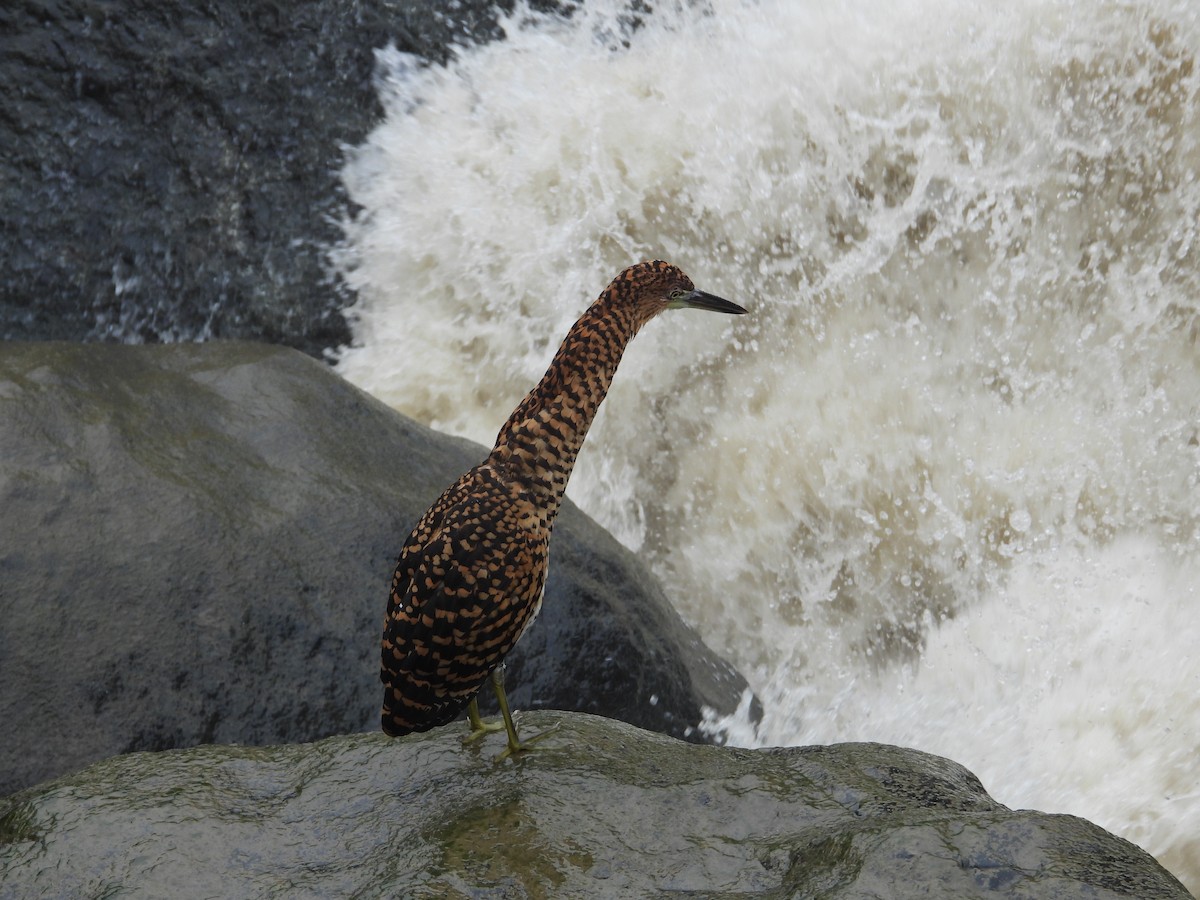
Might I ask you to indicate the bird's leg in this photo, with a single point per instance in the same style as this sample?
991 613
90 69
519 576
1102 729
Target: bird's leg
478 727
514 742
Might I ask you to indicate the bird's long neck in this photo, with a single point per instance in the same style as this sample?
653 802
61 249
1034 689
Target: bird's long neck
538 444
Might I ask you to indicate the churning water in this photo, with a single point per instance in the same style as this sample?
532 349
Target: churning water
941 487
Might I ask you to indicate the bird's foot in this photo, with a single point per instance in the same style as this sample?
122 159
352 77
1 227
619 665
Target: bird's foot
520 747
479 728
482 729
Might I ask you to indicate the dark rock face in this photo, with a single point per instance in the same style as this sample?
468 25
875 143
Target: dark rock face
196 543
170 171
601 809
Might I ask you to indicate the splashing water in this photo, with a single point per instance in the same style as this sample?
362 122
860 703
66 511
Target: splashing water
942 486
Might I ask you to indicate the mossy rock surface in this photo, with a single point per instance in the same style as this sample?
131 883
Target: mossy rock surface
599 809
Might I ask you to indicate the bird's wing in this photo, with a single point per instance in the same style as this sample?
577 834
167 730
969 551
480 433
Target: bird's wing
423 532
463 594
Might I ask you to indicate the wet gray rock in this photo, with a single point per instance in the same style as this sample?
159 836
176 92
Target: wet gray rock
196 543
600 809
170 171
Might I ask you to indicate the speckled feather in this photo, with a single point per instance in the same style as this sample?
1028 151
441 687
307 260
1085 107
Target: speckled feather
471 575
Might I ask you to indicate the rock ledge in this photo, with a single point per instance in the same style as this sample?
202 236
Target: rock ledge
601 809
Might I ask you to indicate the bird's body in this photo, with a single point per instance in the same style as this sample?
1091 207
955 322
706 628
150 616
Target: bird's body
471 575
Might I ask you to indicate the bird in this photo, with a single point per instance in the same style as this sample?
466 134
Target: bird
471 575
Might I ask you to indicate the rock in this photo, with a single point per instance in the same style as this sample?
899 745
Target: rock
172 173
600 809
196 543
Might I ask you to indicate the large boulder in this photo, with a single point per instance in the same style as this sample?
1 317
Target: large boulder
170 171
196 543
600 809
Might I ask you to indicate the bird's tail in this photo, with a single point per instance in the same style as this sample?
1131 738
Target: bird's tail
414 707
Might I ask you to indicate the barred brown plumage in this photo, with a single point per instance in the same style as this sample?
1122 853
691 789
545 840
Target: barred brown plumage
471 575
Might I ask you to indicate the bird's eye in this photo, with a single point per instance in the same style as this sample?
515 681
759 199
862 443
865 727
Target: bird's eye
677 294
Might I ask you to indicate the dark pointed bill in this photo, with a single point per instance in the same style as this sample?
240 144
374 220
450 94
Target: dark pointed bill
711 302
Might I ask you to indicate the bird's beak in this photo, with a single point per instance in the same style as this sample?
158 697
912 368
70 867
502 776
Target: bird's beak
711 302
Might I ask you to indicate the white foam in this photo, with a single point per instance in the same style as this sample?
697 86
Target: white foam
942 486
1081 658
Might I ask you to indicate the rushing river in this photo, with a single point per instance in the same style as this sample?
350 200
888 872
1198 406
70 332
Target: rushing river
941 487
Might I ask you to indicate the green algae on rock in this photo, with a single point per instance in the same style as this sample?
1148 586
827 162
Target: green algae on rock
601 809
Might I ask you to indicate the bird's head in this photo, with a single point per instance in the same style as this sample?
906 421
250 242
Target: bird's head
656 286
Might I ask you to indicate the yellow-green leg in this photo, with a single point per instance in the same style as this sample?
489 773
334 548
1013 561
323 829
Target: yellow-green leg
479 728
